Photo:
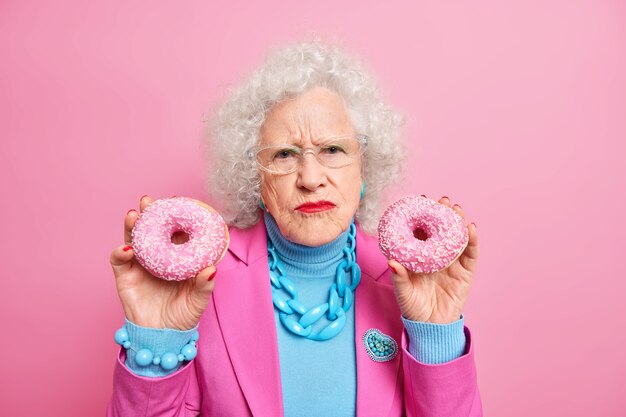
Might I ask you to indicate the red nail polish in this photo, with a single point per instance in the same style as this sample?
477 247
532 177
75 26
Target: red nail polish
143 196
212 275
474 224
423 195
393 269
127 248
130 211
445 196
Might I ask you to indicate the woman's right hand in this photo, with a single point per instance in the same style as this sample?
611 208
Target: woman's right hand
149 301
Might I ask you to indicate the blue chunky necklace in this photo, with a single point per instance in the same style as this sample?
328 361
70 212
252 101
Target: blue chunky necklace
340 297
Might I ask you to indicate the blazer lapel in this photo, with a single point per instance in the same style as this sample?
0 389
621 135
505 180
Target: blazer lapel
244 308
375 307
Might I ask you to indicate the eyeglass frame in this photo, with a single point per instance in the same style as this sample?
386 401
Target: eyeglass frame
360 138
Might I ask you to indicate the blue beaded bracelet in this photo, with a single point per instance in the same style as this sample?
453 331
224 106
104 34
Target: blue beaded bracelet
168 361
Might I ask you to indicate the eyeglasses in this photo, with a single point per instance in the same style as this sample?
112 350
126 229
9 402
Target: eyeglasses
336 152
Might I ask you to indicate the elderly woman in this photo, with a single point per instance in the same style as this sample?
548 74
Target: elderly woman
302 151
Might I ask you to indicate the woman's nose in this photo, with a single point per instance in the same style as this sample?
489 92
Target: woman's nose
311 174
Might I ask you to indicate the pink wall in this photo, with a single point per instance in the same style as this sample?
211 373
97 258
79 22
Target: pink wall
516 111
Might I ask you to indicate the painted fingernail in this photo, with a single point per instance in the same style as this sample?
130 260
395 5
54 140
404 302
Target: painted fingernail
212 275
474 224
127 248
174 196
457 206
128 212
393 269
143 196
423 195
445 196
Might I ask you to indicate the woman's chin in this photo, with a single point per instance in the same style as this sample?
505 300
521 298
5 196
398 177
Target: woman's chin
311 241
315 232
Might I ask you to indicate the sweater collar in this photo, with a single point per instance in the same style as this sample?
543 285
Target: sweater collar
250 245
294 253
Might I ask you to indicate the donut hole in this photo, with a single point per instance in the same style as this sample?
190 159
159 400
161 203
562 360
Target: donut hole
420 234
179 237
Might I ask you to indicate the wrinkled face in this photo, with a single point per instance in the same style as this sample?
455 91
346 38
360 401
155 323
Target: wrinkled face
314 204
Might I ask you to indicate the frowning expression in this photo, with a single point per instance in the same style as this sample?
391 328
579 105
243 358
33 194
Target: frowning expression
313 204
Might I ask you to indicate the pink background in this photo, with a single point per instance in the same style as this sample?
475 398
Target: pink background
515 110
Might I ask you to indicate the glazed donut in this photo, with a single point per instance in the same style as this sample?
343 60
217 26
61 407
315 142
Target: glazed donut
421 234
153 231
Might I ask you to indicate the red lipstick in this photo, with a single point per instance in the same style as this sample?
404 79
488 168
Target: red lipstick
315 207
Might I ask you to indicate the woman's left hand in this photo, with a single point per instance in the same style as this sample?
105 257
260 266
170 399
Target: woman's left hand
438 297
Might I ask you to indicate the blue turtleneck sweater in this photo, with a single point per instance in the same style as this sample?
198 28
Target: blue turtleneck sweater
318 378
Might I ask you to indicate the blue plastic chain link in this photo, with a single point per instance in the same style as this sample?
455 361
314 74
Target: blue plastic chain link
299 319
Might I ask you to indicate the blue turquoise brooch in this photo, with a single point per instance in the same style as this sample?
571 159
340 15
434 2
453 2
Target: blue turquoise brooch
379 346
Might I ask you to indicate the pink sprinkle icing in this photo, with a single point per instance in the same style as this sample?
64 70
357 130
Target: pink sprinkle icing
447 235
153 231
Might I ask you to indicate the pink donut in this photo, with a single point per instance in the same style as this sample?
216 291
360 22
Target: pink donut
421 234
153 231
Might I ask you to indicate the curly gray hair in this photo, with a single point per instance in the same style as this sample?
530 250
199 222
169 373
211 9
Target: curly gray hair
235 180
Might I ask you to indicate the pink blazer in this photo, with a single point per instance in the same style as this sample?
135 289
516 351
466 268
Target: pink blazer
236 372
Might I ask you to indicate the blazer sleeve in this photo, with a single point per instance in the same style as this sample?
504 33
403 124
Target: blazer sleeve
444 390
176 394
